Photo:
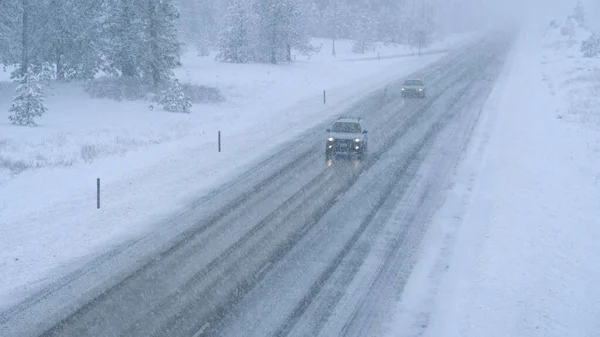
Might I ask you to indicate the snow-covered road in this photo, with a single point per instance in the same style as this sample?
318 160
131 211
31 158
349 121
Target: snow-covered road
292 225
154 165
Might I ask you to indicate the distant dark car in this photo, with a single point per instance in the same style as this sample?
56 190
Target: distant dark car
413 88
347 136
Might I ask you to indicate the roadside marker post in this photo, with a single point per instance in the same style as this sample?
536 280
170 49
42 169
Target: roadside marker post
98 193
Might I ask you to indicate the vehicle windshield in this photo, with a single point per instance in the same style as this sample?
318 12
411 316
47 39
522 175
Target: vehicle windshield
346 127
413 82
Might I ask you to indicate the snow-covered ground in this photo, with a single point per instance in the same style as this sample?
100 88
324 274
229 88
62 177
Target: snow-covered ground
515 249
152 164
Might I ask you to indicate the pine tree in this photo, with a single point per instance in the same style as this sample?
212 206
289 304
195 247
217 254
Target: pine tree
388 25
123 38
26 37
64 33
72 37
28 102
269 14
32 46
591 46
59 33
84 60
174 99
9 32
364 29
418 24
161 37
207 33
297 35
578 14
201 24
189 25
281 27
141 39
235 41
426 26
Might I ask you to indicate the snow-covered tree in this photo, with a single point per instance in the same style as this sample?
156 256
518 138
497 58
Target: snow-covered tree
569 28
123 38
72 37
189 25
28 103
236 41
201 22
389 22
9 31
281 27
426 26
26 37
141 40
174 99
337 20
161 40
296 35
64 33
59 34
578 13
591 46
31 45
206 33
418 23
364 29
270 23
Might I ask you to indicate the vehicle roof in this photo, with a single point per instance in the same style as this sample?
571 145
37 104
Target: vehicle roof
414 80
348 119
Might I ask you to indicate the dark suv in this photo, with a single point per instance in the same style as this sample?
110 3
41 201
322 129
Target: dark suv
347 136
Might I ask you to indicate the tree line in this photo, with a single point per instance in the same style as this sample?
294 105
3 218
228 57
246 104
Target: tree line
80 38
266 30
143 39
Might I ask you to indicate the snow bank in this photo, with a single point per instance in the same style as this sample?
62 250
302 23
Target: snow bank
516 248
153 163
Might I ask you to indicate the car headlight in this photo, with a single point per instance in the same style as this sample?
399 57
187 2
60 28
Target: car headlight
402 89
420 89
330 139
357 140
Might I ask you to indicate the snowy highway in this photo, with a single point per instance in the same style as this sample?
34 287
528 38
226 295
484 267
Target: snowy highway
298 246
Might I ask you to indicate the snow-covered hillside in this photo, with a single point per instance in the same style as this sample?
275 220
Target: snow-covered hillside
515 249
152 163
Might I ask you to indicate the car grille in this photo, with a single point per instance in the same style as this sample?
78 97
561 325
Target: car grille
343 144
